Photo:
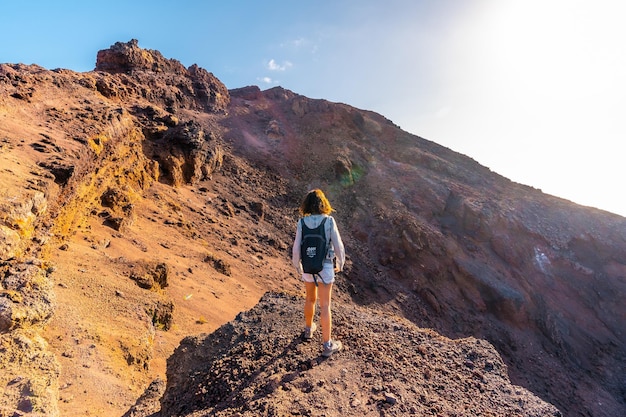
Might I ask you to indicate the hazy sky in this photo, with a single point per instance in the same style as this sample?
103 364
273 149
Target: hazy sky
533 89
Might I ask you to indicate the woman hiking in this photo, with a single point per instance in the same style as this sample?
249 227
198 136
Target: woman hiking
315 210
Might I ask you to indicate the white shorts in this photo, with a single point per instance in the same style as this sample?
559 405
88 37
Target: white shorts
327 274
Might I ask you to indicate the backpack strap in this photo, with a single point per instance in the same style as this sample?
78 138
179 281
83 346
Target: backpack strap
303 225
327 238
315 279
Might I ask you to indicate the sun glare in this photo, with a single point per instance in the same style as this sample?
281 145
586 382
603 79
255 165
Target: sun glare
555 49
546 85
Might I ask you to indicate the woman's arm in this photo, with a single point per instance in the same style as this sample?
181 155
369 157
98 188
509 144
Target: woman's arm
340 252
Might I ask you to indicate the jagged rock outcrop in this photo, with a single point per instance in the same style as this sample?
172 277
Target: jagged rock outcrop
186 153
129 57
27 301
26 296
259 365
29 377
173 87
18 220
30 372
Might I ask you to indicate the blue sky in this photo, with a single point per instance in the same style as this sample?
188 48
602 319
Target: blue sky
533 89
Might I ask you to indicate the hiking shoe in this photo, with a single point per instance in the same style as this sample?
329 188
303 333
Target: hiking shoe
330 347
308 331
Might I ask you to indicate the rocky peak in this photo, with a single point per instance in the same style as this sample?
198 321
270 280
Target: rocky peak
168 80
127 57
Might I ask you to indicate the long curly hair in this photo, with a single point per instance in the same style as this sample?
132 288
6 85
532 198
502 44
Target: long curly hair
315 202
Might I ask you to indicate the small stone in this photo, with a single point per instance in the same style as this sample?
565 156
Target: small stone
390 398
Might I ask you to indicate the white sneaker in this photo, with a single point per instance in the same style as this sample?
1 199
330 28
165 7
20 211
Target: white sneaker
330 347
308 331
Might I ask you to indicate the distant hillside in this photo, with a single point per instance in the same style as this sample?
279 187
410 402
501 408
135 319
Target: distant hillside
145 204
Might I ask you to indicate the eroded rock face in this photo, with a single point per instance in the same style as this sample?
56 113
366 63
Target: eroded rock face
26 296
29 376
186 153
18 219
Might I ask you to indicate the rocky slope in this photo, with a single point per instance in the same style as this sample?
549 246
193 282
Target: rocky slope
258 365
143 202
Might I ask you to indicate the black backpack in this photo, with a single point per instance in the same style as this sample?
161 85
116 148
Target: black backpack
313 249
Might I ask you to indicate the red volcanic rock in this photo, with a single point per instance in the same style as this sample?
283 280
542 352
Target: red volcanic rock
128 57
160 80
258 364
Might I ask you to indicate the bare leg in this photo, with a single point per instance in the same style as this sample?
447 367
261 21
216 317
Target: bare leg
309 303
325 292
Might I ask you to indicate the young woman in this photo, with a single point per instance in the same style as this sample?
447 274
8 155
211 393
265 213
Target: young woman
314 209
